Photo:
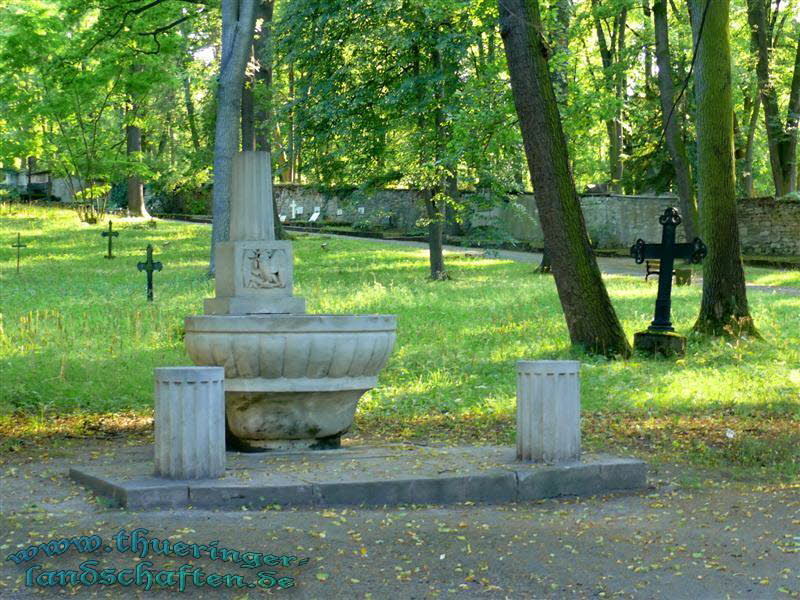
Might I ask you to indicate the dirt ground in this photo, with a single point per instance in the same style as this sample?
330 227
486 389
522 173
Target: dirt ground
686 536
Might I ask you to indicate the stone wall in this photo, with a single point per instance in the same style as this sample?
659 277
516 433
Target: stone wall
766 226
402 207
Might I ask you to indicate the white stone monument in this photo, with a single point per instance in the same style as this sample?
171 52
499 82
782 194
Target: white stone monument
254 272
292 380
548 411
190 422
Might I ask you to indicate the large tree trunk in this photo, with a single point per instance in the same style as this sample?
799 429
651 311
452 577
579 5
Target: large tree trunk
238 18
671 120
724 309
136 207
782 141
591 320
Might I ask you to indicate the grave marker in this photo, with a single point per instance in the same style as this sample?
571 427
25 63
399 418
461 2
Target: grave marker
149 265
110 234
660 337
18 245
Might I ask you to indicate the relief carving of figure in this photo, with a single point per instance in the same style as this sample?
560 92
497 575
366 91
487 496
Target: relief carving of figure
264 269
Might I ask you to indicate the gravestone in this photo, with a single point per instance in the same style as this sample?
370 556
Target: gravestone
18 245
149 266
660 337
110 234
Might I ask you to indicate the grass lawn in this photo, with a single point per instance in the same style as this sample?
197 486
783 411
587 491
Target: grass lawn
78 343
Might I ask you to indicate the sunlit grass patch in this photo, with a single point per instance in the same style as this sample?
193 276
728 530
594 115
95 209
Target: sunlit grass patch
78 340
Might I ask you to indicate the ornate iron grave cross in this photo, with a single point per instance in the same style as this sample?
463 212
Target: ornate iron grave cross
110 234
18 245
667 251
149 265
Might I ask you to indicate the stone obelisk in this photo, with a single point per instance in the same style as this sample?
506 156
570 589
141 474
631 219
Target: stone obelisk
253 271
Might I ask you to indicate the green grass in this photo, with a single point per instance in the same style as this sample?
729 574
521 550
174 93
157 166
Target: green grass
78 337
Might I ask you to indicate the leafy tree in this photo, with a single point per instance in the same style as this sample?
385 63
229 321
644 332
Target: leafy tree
723 309
591 319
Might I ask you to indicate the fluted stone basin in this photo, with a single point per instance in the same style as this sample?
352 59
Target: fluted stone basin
292 380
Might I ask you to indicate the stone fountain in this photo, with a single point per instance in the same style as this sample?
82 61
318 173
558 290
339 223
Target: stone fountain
292 380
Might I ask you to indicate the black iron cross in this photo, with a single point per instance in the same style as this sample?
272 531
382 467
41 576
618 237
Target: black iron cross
110 234
149 265
667 251
18 245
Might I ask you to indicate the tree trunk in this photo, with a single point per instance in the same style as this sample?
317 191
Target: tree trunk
560 37
435 238
238 18
136 207
792 125
248 115
591 320
748 189
187 99
782 141
614 79
672 122
724 309
262 47
289 177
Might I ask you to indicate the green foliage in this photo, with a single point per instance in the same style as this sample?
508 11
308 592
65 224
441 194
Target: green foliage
91 202
364 93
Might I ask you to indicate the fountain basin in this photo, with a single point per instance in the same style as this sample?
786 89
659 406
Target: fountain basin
292 380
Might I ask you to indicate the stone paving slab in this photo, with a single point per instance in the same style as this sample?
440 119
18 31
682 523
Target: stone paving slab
362 475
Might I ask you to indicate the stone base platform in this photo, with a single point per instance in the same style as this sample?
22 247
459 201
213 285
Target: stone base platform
358 475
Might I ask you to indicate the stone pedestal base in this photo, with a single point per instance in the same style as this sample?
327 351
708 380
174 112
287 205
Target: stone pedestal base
664 343
548 411
254 306
190 422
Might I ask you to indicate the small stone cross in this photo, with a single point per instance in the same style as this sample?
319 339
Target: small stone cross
293 206
149 265
667 251
110 234
18 245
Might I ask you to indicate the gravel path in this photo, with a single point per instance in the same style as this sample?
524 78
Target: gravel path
678 539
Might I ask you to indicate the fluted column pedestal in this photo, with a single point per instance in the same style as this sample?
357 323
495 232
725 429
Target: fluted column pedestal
548 411
189 422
